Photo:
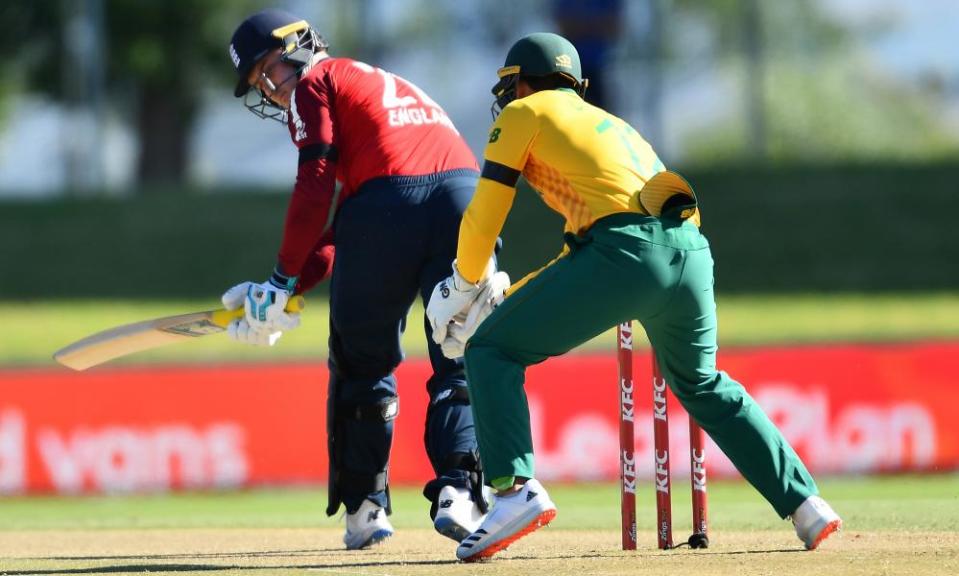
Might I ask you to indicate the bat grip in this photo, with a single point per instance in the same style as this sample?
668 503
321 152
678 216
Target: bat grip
294 305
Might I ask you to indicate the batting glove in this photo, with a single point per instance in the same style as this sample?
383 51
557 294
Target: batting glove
264 304
241 331
234 297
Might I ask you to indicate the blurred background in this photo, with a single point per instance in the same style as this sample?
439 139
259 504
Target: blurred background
822 137
802 124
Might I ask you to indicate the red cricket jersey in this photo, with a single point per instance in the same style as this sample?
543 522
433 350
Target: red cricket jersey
352 122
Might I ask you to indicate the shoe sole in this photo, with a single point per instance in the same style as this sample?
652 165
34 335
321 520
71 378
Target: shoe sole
377 537
451 529
542 520
833 526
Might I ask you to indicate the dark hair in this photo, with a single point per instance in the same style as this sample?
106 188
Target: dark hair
550 82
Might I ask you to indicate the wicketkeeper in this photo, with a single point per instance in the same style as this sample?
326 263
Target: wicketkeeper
633 250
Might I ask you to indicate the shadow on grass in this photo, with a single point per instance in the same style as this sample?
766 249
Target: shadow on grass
217 567
152 567
258 553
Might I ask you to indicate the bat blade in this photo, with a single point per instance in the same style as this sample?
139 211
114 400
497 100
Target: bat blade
139 336
149 334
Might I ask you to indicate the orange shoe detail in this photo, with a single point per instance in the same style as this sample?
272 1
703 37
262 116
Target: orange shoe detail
537 523
834 526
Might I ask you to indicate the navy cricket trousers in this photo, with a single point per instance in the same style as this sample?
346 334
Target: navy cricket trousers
395 239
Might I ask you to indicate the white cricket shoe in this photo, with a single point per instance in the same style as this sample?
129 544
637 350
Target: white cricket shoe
457 516
511 518
367 527
815 520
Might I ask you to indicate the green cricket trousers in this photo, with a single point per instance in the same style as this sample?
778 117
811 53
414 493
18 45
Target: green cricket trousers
627 266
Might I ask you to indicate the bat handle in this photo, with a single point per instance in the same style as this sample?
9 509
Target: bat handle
294 305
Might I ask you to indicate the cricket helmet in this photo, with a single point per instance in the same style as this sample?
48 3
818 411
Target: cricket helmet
539 54
263 32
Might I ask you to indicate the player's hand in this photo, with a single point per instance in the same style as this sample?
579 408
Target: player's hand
241 331
489 298
454 345
234 297
464 325
263 306
450 297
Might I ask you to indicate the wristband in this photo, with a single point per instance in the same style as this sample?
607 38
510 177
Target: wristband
282 281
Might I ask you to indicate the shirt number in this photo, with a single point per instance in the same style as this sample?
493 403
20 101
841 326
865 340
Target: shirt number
390 80
417 109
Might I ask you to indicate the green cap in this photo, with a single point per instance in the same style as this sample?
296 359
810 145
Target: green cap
541 54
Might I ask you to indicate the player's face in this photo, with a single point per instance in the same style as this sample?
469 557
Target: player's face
274 79
522 89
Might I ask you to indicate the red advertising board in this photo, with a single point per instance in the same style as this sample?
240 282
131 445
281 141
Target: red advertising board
846 409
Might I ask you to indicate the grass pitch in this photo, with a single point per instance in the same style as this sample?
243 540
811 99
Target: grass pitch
894 525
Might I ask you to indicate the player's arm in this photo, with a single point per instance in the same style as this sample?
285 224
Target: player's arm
505 156
313 204
318 265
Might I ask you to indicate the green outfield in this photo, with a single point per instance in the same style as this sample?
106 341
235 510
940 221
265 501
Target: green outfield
894 525
35 329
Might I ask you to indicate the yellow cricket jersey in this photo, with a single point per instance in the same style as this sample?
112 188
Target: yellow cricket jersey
584 162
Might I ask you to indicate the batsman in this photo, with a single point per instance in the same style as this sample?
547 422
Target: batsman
382 179
633 250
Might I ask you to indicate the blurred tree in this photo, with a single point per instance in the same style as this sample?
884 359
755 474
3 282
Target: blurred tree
810 93
756 32
16 19
159 55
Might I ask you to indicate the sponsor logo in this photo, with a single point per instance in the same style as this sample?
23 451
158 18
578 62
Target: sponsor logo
391 410
121 458
298 124
445 289
659 399
626 336
626 399
664 535
235 57
662 471
699 470
628 472
446 503
442 396
564 61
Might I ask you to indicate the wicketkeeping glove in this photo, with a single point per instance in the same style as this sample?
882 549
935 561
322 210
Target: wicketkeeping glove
450 297
454 345
464 325
490 297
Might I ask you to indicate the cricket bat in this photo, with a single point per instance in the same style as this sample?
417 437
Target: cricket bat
149 334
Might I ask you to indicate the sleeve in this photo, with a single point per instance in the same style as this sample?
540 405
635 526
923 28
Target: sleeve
505 156
312 205
319 264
